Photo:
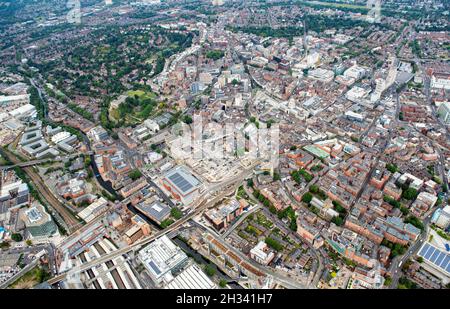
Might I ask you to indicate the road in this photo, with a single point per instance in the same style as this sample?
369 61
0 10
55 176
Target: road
439 122
33 82
240 220
398 262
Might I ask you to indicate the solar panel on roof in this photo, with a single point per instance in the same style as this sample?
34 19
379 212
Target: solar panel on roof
424 249
180 182
429 253
440 258
154 267
434 256
445 262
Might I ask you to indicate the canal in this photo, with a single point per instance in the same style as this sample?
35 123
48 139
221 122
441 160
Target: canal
105 184
135 211
200 259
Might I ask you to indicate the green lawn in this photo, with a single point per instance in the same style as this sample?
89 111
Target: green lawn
141 94
33 277
338 5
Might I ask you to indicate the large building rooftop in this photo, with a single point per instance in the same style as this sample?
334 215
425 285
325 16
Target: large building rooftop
162 257
439 259
321 154
191 278
182 179
154 210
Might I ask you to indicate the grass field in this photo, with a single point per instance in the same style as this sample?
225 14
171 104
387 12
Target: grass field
141 94
30 279
339 5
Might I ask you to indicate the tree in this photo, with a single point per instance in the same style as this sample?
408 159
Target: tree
273 244
355 138
409 194
276 176
215 54
209 270
281 214
415 221
391 167
135 174
338 221
166 223
404 210
187 119
307 197
405 283
176 213
84 203
314 189
29 242
272 209
397 250
293 225
391 201
222 283
16 237
4 245
339 208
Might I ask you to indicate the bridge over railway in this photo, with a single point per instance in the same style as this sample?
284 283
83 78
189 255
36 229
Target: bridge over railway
42 161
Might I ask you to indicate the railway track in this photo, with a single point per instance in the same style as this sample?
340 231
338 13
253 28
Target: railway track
69 219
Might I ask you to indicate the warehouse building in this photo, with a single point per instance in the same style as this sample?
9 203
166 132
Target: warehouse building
182 185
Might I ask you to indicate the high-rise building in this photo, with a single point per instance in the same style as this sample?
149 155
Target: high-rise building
440 81
442 217
162 258
444 112
217 2
14 195
38 222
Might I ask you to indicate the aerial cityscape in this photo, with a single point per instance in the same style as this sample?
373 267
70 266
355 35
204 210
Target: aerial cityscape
224 144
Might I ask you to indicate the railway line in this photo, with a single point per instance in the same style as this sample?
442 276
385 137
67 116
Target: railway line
70 221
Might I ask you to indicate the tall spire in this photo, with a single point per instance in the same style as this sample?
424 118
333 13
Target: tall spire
305 34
